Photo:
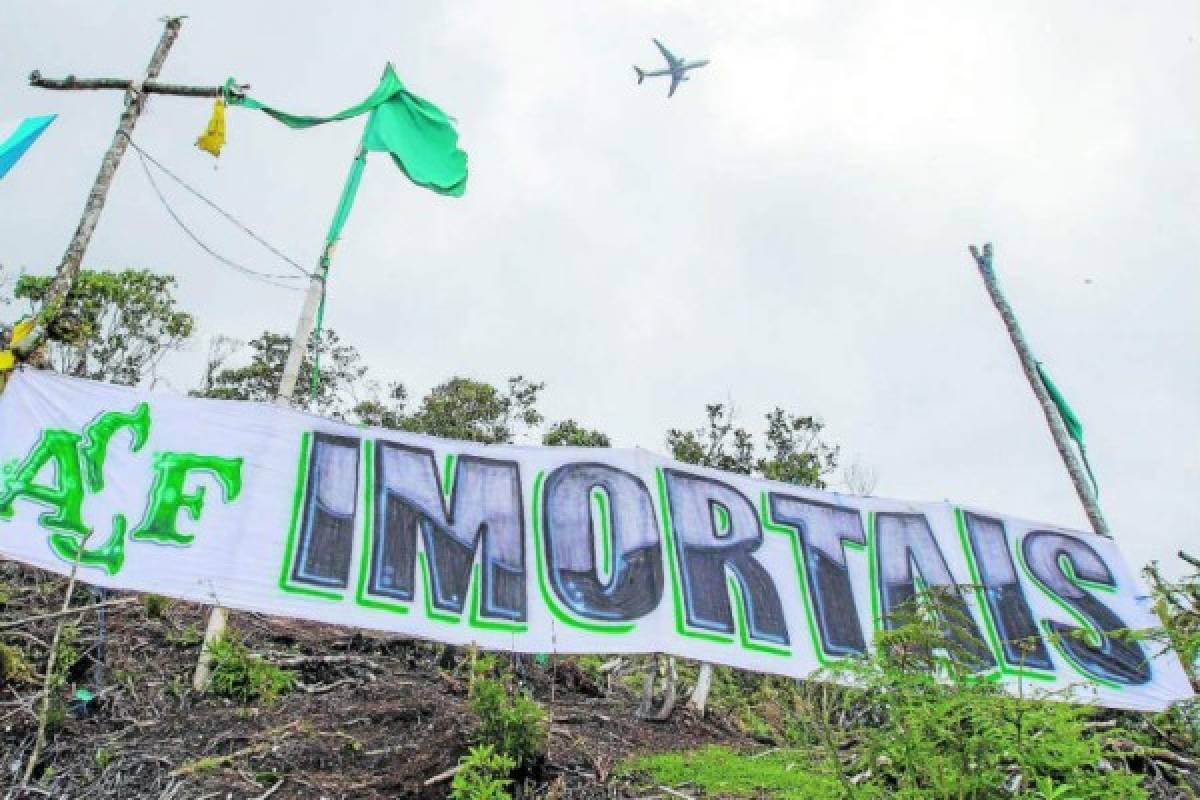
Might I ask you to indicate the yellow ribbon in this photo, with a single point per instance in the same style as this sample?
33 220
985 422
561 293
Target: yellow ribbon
8 358
213 138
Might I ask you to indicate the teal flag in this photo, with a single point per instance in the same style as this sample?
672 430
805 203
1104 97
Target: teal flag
12 148
418 135
1070 420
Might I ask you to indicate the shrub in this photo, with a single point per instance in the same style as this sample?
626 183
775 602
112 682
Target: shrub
241 676
511 722
934 728
188 637
918 720
67 656
482 775
13 666
156 605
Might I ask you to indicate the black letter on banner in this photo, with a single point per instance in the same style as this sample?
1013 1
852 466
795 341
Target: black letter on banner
905 541
486 507
1115 660
1020 640
716 527
636 583
330 498
822 528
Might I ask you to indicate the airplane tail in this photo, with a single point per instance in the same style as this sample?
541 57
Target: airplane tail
641 75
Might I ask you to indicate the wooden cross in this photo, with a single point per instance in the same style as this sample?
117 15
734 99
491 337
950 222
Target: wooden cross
136 93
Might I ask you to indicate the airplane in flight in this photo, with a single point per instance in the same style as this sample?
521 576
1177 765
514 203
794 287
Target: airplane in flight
677 68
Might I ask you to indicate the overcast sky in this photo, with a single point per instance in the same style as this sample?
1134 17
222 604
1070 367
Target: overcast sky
790 229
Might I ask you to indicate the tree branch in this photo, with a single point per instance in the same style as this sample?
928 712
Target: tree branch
150 87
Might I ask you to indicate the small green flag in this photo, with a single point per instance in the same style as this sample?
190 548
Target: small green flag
419 136
1070 420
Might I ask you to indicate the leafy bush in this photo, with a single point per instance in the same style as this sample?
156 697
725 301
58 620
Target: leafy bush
931 727
483 775
1178 606
511 722
187 637
156 605
917 721
769 708
13 666
67 656
244 677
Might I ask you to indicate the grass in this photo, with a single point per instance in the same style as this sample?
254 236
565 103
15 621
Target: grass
716 771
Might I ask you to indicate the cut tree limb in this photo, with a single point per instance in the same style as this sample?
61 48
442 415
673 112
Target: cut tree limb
123 601
442 776
208 762
149 87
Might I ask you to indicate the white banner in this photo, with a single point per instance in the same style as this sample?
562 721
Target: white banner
545 549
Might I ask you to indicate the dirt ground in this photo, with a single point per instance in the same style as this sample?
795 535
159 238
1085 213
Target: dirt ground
375 716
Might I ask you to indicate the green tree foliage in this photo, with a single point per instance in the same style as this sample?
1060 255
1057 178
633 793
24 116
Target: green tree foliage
387 411
1178 606
794 450
113 326
460 408
570 433
342 373
718 444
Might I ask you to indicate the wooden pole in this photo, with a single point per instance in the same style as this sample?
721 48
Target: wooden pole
1058 429
72 260
218 617
304 329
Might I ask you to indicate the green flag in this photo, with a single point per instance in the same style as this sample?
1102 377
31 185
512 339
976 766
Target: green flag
419 136
1070 420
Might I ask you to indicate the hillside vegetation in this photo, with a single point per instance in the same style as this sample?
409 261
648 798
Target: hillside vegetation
304 710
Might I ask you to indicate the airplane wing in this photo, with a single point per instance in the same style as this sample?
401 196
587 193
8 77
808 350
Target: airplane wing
672 61
676 79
